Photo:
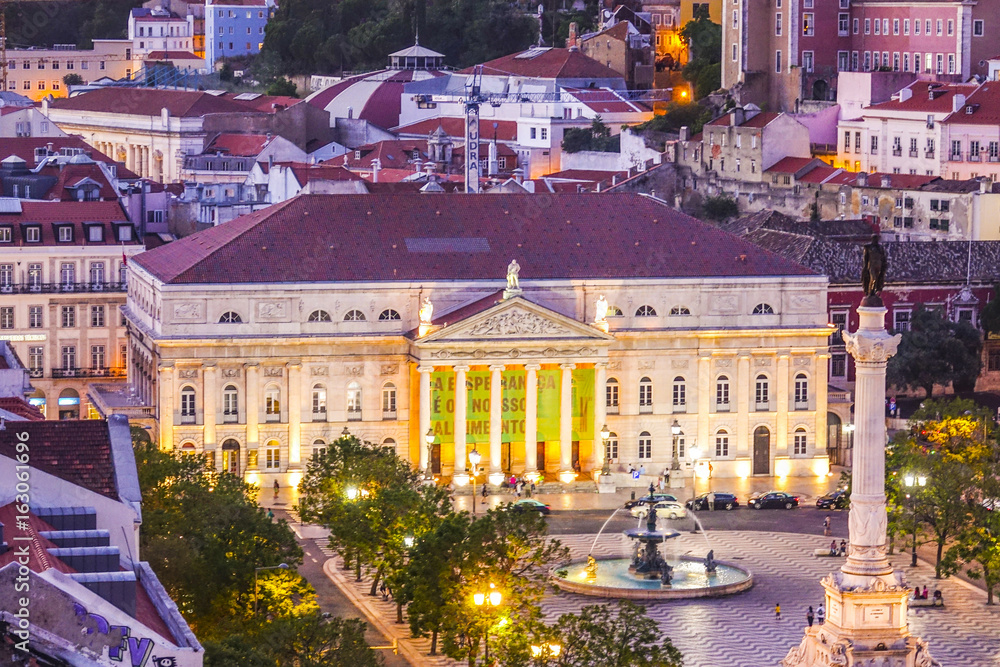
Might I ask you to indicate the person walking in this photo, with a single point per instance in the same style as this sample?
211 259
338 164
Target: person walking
777 612
810 616
276 487
821 614
711 501
485 492
826 526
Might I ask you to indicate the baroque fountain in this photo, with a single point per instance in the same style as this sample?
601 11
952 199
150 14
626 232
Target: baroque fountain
650 573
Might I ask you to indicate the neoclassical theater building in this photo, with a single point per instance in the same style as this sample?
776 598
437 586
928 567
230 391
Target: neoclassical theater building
515 325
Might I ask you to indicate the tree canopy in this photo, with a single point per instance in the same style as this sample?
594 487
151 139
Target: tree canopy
597 137
936 351
703 69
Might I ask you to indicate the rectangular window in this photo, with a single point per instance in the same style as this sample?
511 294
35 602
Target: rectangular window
868 26
761 397
721 445
878 27
843 24
680 394
34 317
885 26
97 316
808 25
977 28
545 133
777 62
777 24
901 320
7 317
951 27
68 357
645 395
841 61
801 393
68 317
906 26
800 444
895 26
939 27
874 144
854 61
855 24
67 275
857 142
722 395
838 365
97 364
36 357
273 458
645 446
916 27
951 63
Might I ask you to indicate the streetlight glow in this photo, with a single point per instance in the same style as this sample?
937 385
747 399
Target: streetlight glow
408 542
352 493
474 458
605 432
495 598
921 481
429 436
908 480
675 428
479 599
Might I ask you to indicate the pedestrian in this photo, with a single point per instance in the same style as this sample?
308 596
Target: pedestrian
843 547
667 479
384 591
821 614
270 515
659 482
485 492
810 616
517 490
276 487
532 487
711 501
826 526
833 547
777 612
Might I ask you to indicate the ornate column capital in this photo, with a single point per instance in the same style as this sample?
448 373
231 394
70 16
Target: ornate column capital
871 346
532 367
567 367
496 368
425 369
461 367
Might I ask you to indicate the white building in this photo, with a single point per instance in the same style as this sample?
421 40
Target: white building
260 340
159 30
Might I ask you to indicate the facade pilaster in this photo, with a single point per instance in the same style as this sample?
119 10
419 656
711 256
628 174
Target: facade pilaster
784 400
167 407
425 413
461 418
294 415
210 402
706 394
600 409
496 422
566 419
531 462
822 364
744 392
253 405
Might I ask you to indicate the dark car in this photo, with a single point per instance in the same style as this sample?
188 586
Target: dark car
723 501
657 497
530 505
836 500
772 500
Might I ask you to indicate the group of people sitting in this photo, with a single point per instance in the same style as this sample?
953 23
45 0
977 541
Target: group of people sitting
836 550
922 595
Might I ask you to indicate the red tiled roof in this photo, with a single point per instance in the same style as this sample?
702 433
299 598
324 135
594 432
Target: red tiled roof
820 174
68 175
789 165
68 212
587 175
21 408
151 101
24 148
239 3
241 145
552 236
455 128
548 64
920 100
619 31
759 120
304 173
407 187
981 108
171 55
375 97
392 154
78 451
605 100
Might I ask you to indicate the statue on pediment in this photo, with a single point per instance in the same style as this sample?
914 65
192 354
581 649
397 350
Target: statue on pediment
513 270
426 311
601 310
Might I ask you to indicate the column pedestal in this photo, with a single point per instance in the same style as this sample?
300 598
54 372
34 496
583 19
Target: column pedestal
866 600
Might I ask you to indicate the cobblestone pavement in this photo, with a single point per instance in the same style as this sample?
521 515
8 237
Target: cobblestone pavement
741 631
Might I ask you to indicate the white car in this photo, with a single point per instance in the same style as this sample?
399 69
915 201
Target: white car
670 510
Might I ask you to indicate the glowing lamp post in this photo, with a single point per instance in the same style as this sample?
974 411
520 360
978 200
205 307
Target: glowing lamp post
282 566
605 436
915 482
489 598
474 458
429 439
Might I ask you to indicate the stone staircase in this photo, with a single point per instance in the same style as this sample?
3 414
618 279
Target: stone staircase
549 485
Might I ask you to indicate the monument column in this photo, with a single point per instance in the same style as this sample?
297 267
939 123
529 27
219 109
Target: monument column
425 414
496 422
531 462
461 403
566 423
600 409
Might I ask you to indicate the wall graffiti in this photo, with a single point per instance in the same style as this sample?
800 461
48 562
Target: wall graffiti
138 651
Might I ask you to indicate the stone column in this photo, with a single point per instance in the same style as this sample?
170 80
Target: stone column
461 422
871 346
744 386
566 420
425 413
600 408
253 405
820 386
706 397
531 462
496 423
295 415
781 419
166 407
210 401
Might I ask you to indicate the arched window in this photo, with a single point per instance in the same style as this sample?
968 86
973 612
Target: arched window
388 315
614 311
761 393
721 443
353 401
680 310
645 395
611 447
388 401
319 402
799 443
187 405
611 392
231 456
763 309
645 311
188 448
230 317
272 455
679 393
389 443
645 445
319 448
272 404
230 404
722 394
354 316
801 392
319 316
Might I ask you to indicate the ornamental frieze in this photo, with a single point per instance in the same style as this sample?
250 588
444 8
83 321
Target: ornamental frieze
518 323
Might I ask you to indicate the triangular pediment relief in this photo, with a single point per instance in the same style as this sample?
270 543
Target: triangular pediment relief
515 318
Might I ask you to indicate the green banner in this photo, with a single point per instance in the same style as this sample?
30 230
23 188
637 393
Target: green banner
513 393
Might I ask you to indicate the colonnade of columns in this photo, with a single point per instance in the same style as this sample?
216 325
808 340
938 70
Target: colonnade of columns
494 461
139 158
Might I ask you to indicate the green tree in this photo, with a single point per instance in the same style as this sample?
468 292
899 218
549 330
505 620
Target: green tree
990 315
677 115
282 87
703 69
936 351
73 80
597 137
720 207
621 637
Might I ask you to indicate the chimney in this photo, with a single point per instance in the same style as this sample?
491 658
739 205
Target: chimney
905 94
985 185
685 133
957 102
862 179
519 175
376 165
571 39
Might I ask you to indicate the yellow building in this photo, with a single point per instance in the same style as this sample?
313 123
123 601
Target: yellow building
38 73
261 340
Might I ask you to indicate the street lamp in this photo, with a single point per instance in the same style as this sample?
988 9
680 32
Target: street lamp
490 598
345 433
546 650
915 482
675 430
605 436
474 458
282 566
429 439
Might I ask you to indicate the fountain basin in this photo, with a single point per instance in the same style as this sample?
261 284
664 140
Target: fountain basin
690 580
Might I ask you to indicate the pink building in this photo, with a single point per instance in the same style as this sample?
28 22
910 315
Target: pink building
970 136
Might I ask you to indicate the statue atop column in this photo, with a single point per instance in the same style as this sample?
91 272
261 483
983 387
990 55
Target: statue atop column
873 273
513 280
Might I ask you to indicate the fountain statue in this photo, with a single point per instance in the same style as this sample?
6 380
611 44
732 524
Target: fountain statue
710 564
591 568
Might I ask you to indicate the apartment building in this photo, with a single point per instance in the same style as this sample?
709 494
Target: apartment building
38 73
970 136
62 277
158 29
234 28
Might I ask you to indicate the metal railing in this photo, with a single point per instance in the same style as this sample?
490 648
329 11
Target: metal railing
897 152
388 415
611 409
353 415
49 288
114 372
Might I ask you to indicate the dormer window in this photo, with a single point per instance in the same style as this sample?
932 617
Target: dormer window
33 234
95 234
124 233
6 234
65 234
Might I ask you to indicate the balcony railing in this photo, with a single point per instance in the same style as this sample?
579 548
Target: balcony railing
645 409
914 153
611 409
319 416
897 152
975 157
929 155
801 405
82 372
762 406
353 414
388 415
993 158
955 157
49 288
722 407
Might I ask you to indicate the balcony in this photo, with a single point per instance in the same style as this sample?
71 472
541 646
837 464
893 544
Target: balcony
722 407
914 153
762 406
353 414
897 151
611 409
801 405
83 372
36 372
975 157
929 155
54 288
388 415
645 409
993 158
230 417
874 151
319 416
955 157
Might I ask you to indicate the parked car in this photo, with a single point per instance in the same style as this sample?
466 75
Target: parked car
530 505
658 497
836 500
667 508
772 500
723 501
